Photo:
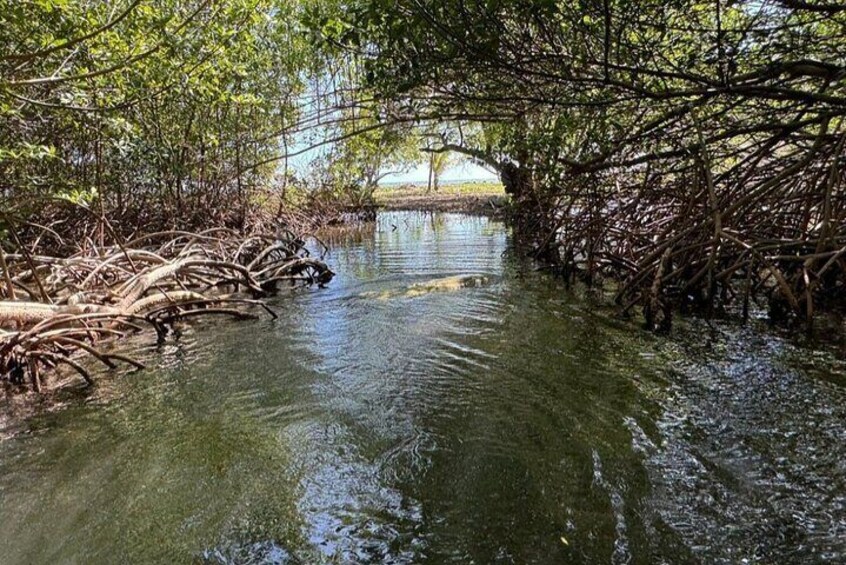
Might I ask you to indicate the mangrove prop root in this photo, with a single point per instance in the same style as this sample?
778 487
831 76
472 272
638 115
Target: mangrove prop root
761 224
102 293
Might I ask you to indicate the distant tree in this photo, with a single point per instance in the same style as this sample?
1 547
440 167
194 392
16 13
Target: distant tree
439 162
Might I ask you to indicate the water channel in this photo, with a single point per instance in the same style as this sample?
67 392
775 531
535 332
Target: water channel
512 422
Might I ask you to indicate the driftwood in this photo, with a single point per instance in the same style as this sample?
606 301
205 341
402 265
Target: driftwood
53 311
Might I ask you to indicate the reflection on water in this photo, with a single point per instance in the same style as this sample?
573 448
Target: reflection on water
508 423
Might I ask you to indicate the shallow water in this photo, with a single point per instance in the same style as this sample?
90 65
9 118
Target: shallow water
514 422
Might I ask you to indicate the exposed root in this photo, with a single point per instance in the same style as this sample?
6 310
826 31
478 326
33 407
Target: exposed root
100 294
763 223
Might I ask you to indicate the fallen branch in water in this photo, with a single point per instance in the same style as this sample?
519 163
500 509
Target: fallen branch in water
100 294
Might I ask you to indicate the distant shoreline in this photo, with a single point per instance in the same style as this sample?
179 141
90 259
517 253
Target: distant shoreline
471 197
446 182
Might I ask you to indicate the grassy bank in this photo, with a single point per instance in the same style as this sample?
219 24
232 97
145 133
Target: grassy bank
486 198
392 192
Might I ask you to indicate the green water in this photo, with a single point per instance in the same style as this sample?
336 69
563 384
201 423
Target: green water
480 425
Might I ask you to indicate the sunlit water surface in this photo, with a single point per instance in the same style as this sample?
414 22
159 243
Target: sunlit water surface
509 423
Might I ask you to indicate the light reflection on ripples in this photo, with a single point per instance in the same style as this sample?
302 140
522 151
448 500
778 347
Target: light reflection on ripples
756 451
483 425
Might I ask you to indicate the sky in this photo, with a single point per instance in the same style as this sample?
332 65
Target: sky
464 171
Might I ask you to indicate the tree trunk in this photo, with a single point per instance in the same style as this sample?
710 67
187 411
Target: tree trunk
431 172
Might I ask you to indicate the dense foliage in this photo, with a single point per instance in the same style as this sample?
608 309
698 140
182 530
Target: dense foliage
155 113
